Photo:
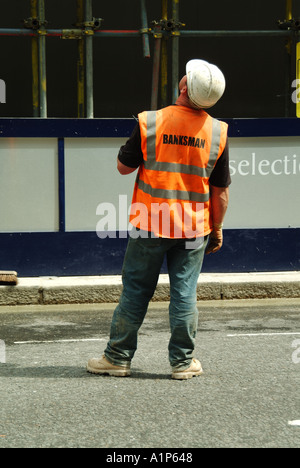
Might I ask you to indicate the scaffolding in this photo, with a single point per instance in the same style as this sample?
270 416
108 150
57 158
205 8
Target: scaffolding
89 28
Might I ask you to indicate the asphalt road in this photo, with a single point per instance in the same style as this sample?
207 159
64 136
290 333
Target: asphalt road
248 397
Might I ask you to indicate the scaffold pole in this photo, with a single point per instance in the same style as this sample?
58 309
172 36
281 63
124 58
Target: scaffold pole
42 60
175 52
89 71
35 65
80 65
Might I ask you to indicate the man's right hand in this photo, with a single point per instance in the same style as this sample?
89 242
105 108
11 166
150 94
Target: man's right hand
215 241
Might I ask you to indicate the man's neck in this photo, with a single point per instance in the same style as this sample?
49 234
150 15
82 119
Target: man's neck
185 102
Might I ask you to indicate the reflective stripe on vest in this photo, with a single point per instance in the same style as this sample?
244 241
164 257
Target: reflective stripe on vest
173 194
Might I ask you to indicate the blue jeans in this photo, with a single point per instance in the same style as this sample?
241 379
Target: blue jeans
142 264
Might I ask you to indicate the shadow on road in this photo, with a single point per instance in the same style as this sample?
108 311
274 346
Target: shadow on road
67 372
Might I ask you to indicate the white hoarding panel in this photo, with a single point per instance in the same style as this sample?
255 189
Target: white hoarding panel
92 179
265 189
28 185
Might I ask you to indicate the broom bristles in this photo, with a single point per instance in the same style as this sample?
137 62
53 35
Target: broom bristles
8 278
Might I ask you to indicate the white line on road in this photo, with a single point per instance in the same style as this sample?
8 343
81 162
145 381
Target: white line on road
83 340
264 334
295 423
61 341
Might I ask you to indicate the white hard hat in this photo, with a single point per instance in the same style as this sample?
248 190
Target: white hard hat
205 82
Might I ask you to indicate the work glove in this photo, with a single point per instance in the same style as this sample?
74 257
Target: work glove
215 240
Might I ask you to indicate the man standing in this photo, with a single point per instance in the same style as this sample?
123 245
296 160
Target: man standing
179 204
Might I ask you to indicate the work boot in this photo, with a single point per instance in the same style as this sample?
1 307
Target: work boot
103 366
194 370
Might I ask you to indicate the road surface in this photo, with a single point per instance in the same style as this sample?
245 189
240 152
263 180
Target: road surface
248 397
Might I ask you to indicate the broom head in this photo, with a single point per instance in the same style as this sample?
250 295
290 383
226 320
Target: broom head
8 278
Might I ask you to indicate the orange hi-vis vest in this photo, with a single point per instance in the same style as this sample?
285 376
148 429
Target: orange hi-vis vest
180 147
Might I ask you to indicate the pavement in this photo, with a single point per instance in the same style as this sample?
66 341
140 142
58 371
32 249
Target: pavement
107 289
248 396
